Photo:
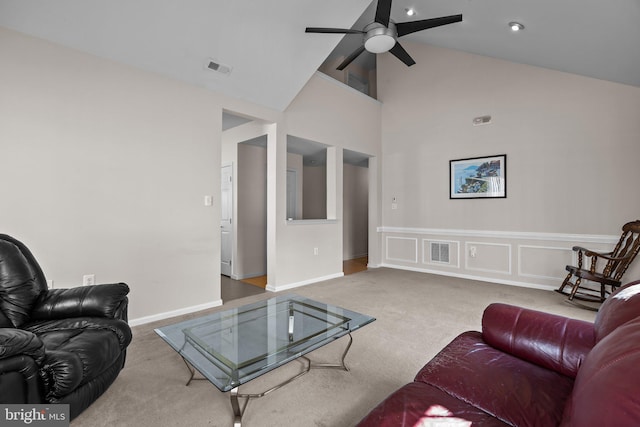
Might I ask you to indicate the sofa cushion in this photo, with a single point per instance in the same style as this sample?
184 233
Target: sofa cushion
621 307
78 350
16 342
513 390
18 286
604 392
418 404
554 342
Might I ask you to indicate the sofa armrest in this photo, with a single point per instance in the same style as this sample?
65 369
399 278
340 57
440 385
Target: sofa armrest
108 300
21 355
20 380
554 342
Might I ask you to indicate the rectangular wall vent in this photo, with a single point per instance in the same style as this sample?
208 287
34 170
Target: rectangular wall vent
440 252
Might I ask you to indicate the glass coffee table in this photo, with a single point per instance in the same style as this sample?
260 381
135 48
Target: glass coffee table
232 347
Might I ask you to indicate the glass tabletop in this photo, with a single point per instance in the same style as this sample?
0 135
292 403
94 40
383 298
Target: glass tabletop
237 345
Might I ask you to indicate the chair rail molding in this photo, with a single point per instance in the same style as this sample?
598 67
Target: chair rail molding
520 235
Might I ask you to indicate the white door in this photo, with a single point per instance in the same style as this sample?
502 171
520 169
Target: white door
226 227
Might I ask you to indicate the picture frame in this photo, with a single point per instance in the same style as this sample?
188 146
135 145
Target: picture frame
478 177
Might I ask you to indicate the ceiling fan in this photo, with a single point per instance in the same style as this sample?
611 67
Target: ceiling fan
381 35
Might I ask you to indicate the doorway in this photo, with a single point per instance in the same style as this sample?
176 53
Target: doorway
243 253
355 211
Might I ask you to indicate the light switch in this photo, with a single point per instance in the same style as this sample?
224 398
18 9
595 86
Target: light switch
208 200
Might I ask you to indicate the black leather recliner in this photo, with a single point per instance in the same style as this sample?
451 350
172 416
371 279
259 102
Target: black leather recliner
57 345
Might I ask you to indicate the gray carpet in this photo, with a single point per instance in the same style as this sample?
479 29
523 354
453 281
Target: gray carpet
417 314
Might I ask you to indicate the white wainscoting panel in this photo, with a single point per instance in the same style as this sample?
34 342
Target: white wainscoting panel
540 258
490 257
535 261
403 249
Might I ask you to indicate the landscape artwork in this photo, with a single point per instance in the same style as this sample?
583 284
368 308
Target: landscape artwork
478 177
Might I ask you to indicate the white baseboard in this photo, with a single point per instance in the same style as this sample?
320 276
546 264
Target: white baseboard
471 277
174 313
303 283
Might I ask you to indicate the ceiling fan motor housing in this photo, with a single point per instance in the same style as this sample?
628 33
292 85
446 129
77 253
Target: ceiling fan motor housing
378 38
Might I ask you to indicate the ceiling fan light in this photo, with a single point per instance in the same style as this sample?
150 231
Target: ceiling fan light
379 43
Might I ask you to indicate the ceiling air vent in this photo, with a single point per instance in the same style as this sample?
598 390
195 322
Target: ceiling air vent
482 120
218 67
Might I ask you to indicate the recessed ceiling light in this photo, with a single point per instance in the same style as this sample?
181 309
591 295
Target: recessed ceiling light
516 26
410 11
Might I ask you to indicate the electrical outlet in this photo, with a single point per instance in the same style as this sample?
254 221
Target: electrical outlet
88 280
315 251
472 251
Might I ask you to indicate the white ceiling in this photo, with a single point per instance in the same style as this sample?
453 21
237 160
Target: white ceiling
271 57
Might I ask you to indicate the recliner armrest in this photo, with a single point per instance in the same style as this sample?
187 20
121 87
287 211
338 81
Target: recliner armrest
20 380
108 300
554 342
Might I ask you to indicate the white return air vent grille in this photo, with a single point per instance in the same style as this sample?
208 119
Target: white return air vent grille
440 252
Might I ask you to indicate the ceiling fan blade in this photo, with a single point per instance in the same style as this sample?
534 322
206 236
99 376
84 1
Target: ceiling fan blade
332 30
399 52
350 58
383 12
405 28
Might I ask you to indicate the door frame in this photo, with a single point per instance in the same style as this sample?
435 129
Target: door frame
224 268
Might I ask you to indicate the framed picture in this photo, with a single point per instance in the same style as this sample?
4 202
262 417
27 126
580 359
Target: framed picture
478 177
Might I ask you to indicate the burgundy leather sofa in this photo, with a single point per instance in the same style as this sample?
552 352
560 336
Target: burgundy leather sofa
529 368
57 345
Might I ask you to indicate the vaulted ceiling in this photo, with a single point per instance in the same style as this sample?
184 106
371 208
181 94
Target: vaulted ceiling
270 57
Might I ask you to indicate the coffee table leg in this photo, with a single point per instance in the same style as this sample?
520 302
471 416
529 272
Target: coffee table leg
235 395
341 365
235 405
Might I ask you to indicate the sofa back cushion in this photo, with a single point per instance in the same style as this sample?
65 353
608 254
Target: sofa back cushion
604 392
21 283
548 340
621 307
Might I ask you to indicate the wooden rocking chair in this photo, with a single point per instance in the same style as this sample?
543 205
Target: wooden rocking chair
613 266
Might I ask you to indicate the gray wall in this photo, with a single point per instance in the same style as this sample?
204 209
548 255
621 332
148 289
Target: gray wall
106 168
572 151
104 172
